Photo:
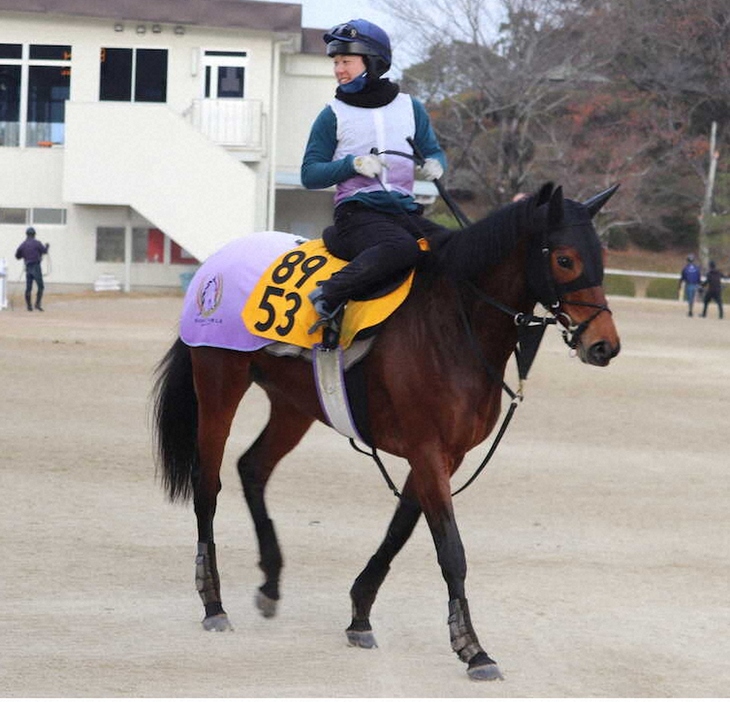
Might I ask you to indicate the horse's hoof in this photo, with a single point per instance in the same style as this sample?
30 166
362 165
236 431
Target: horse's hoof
361 639
218 622
486 671
265 605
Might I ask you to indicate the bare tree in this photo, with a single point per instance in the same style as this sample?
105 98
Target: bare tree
493 72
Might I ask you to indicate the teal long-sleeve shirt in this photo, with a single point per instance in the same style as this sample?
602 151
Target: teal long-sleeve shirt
320 171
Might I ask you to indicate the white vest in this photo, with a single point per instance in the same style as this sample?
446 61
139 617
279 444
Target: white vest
359 129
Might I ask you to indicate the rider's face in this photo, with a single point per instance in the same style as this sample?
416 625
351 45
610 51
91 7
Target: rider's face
348 67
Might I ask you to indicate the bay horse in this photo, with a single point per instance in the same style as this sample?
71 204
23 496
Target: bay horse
433 381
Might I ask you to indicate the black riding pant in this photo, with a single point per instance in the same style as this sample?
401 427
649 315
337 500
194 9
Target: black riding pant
379 246
33 272
709 297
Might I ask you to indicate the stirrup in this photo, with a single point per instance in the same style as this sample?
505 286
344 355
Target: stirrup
331 320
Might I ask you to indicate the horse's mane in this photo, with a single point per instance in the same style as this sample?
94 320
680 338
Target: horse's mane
467 252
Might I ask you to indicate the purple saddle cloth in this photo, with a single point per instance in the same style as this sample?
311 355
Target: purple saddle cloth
211 314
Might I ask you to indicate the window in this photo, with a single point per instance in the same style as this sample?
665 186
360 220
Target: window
39 77
48 90
48 215
148 246
180 255
9 104
138 75
13 215
225 74
110 244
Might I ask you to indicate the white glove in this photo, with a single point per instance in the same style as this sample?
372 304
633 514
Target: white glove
432 169
369 165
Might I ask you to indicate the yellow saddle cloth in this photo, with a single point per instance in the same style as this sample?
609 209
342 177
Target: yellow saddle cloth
278 307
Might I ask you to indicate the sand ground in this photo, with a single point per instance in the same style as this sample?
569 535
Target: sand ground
597 540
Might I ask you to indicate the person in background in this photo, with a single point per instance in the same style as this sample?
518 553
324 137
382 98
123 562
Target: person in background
31 251
713 288
690 276
377 220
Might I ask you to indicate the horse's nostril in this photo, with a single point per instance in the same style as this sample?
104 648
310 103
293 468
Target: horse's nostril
601 353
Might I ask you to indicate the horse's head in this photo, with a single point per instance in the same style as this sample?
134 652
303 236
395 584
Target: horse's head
566 273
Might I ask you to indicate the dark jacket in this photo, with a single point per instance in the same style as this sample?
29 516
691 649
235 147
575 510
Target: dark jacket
31 251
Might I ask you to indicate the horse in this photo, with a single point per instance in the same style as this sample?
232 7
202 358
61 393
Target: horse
433 382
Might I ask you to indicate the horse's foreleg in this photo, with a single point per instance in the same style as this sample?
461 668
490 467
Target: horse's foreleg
439 513
366 585
219 387
285 428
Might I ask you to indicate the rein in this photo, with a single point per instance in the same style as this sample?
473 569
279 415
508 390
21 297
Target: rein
530 330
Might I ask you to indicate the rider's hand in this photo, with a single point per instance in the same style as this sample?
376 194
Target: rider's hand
368 165
431 169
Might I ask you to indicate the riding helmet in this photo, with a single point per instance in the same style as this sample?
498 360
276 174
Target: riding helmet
362 38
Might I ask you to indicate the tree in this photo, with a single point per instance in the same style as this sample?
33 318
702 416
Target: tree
492 85
583 92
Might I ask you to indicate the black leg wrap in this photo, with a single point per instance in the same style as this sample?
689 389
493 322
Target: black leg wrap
271 561
207 581
464 641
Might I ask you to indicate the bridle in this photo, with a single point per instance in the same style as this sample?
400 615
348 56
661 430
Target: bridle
554 299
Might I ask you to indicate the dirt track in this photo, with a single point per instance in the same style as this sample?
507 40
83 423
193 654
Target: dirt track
598 540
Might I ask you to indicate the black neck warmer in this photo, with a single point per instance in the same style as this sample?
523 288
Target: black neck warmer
376 93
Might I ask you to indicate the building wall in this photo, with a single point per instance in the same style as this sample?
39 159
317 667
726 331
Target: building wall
34 177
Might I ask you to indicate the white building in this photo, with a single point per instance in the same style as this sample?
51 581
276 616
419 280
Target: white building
138 137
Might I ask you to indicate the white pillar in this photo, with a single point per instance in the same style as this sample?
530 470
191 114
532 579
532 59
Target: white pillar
3 284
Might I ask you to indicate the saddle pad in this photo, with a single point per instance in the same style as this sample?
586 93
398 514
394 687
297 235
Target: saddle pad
211 314
278 308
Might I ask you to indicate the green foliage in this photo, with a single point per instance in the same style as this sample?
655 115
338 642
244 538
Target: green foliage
445 219
619 285
663 289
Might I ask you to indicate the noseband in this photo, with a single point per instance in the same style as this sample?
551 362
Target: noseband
573 332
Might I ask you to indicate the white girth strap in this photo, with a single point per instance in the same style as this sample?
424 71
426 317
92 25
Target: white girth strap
330 380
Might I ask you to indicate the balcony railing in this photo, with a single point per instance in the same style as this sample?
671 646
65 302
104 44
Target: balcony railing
234 124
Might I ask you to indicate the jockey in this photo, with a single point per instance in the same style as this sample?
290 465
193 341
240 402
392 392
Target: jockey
376 219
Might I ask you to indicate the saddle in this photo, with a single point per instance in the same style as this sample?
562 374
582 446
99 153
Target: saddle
278 309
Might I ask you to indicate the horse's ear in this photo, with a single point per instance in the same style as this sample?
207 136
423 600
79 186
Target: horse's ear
595 203
555 208
543 195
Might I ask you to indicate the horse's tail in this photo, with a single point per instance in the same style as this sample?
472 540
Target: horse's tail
176 422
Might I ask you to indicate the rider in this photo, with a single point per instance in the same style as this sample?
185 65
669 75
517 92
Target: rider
377 219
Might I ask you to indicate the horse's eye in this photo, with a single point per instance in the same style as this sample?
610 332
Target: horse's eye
565 262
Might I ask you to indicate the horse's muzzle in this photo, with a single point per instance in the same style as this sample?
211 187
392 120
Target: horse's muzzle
599 353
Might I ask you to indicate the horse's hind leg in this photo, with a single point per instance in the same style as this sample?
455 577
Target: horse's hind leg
221 378
284 430
365 588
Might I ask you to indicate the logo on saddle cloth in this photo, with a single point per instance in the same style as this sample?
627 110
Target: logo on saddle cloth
278 307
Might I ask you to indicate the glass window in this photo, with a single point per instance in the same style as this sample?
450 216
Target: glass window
148 246
225 74
9 105
150 83
11 51
13 215
40 76
116 75
48 215
128 72
48 90
180 255
50 52
110 244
